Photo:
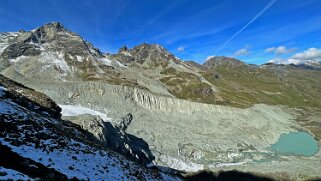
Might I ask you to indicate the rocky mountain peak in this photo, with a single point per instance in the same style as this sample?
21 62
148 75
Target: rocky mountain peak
123 49
44 34
215 61
49 32
51 48
55 26
148 54
153 54
152 48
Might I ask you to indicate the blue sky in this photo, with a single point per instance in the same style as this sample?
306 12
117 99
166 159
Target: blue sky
254 31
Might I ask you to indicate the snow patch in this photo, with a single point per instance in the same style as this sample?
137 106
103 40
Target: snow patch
79 58
75 110
85 166
9 107
56 59
10 35
6 108
2 91
9 174
3 46
18 59
106 61
126 53
180 164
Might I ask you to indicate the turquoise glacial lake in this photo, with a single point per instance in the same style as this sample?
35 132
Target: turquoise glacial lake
296 143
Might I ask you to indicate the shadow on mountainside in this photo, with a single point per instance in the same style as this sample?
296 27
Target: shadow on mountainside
127 144
225 176
115 137
232 176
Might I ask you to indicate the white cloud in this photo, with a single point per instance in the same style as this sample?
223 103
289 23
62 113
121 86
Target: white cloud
280 50
272 49
286 61
180 49
243 51
311 55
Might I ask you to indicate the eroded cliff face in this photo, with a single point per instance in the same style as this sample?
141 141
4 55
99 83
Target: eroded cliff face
87 91
183 134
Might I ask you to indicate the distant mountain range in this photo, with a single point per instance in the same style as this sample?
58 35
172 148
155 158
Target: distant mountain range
54 53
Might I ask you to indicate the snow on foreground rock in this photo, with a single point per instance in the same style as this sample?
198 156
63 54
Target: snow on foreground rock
34 145
6 174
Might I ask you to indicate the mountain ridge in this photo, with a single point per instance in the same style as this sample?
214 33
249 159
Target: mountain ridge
51 52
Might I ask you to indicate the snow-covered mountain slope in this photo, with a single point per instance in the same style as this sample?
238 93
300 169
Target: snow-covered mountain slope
36 143
54 53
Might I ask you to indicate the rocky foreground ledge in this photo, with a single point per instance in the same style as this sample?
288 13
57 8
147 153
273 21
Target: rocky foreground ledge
35 143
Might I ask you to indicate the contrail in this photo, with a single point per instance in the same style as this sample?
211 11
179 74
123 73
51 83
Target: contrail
249 23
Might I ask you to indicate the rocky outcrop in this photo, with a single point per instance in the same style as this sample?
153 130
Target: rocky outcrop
115 137
22 92
152 55
125 121
216 61
20 49
93 124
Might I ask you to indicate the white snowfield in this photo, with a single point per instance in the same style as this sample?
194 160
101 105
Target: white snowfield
76 110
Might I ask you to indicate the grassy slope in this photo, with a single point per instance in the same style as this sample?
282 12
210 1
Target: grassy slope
187 86
244 86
